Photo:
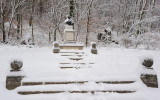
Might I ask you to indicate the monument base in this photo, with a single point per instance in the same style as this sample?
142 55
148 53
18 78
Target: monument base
70 42
71 46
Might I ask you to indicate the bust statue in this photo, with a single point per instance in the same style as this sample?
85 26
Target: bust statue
69 21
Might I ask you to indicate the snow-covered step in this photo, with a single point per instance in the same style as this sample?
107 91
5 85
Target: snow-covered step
76 67
76 77
76 58
69 55
71 52
53 92
73 46
75 82
76 88
78 63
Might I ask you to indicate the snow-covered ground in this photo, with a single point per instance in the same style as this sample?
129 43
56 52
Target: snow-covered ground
40 64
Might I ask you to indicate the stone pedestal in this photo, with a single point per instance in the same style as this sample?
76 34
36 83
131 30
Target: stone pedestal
71 46
70 37
69 34
13 82
148 75
94 49
14 77
150 80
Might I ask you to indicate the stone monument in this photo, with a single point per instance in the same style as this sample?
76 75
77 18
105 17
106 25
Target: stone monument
70 37
69 33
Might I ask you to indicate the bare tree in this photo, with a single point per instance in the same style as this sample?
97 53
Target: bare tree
14 6
3 6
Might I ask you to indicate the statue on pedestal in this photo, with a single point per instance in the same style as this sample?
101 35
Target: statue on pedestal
69 33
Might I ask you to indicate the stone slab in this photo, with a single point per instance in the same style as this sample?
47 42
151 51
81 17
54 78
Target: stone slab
71 46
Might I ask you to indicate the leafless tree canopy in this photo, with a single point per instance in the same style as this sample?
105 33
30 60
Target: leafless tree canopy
135 22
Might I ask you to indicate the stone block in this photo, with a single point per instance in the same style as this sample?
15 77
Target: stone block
150 80
14 77
56 50
16 65
72 46
13 82
148 63
94 49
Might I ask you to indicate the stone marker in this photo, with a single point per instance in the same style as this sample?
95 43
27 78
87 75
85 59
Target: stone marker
69 33
15 75
149 77
56 48
148 63
94 49
150 80
16 65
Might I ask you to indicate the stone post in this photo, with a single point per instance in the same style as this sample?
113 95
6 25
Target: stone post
13 79
94 49
148 76
56 48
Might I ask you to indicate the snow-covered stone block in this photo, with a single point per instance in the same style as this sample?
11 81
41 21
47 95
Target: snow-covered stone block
94 49
15 75
13 82
148 75
16 64
73 46
56 48
148 63
150 80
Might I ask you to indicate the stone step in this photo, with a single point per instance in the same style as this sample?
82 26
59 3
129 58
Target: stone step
67 55
53 92
77 59
80 87
71 46
75 82
75 67
71 52
77 63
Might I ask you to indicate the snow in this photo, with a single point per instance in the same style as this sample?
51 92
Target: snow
19 73
70 30
109 29
148 71
12 59
68 20
111 64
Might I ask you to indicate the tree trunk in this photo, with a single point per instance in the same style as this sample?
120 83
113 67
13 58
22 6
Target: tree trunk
32 15
32 34
21 25
18 21
71 8
41 8
55 33
49 37
2 21
88 21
